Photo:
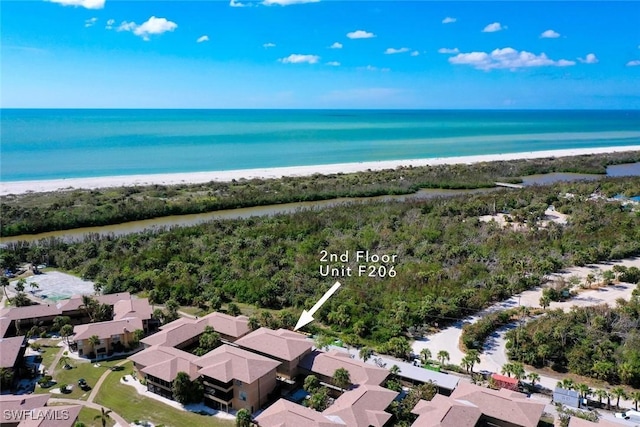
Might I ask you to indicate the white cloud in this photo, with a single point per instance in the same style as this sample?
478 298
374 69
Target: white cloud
152 26
333 63
234 3
372 68
300 59
449 20
90 22
201 39
549 34
336 45
634 63
268 45
449 51
492 28
508 58
286 2
87 4
126 26
110 23
589 59
360 34
391 51
415 53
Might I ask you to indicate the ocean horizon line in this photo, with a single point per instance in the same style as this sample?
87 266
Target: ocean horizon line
312 109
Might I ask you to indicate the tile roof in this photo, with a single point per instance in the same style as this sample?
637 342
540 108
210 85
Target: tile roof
227 363
175 335
106 329
138 307
502 404
158 354
23 401
288 414
442 411
30 311
167 370
228 325
363 406
578 422
282 344
75 302
360 373
9 351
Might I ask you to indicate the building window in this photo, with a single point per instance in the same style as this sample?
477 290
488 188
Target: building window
243 396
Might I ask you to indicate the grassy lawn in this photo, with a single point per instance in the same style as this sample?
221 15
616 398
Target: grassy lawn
126 401
80 369
49 352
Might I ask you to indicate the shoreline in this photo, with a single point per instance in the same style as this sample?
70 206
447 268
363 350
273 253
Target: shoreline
40 186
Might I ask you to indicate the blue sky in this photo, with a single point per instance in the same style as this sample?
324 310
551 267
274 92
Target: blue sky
326 54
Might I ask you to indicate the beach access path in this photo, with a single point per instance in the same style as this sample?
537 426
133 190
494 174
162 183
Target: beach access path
37 186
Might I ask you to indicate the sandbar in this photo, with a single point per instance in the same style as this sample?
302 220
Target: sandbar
38 186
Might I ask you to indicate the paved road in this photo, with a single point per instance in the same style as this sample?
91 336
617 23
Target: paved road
494 354
117 418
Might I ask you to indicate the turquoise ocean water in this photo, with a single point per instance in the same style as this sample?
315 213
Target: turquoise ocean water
49 144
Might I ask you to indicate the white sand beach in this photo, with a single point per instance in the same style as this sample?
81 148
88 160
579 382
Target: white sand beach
21 187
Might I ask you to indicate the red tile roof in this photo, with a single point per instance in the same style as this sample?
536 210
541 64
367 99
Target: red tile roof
363 406
9 351
227 363
282 344
288 414
106 329
360 373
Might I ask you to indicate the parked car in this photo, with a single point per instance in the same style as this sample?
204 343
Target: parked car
629 415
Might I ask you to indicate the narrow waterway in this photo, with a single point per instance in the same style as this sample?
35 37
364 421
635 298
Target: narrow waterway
194 219
632 169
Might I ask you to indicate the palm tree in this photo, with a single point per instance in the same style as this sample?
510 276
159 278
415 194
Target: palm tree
518 371
583 390
470 359
104 416
507 369
601 394
365 353
442 356
618 392
533 377
425 355
65 332
34 286
89 305
94 340
243 418
635 398
394 370
545 302
4 282
567 384
64 361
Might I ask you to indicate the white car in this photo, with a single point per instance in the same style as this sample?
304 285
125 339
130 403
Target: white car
629 415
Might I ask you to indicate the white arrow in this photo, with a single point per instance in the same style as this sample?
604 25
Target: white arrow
307 316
